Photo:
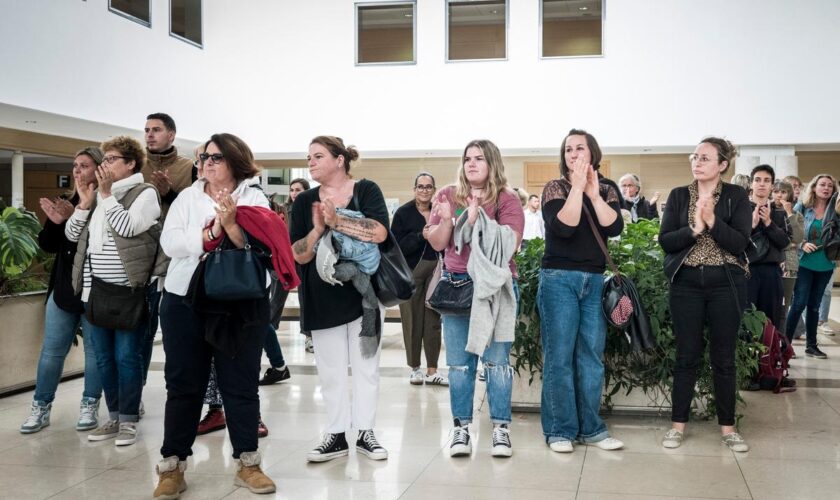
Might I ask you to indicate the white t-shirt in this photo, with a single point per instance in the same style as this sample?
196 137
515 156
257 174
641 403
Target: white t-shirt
534 225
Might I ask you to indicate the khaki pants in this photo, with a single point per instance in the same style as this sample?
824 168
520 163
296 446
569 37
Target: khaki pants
421 325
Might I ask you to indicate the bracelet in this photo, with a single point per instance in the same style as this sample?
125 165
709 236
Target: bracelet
210 233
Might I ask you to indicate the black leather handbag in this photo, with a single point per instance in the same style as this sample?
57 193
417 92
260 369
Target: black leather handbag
758 247
115 307
234 273
830 235
452 296
393 281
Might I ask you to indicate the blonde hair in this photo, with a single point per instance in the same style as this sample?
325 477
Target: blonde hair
806 196
496 180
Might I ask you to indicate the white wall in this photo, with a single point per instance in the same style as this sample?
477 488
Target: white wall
279 72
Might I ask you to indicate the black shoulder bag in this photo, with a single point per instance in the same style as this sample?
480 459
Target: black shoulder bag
234 273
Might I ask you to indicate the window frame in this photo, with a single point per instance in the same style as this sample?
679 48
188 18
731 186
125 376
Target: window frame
185 39
446 27
128 16
358 5
603 36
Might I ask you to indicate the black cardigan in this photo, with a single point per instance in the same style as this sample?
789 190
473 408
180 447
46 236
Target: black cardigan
733 224
778 234
407 227
51 239
644 208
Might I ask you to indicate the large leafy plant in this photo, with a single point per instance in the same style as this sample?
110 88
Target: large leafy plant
638 255
18 249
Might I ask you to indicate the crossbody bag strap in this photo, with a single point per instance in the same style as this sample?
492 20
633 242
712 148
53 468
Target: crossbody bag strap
600 241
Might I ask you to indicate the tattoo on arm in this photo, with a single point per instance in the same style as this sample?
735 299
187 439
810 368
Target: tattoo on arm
300 246
360 229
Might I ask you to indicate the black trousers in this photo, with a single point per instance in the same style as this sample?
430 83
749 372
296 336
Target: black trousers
766 291
187 369
702 296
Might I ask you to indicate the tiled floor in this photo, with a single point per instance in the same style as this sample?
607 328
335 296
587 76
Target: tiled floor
795 441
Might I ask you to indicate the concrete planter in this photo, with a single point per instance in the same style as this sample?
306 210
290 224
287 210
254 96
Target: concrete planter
526 398
21 336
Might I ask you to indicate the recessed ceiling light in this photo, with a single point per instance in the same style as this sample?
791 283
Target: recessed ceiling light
494 11
31 121
583 8
407 15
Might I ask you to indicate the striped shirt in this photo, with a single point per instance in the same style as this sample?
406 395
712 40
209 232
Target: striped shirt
107 264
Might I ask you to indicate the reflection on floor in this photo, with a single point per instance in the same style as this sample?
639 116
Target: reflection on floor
795 441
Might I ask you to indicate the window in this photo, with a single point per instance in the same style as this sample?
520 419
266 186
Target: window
476 30
185 20
385 33
572 28
137 10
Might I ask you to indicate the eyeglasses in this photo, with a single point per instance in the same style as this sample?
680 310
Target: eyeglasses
424 187
111 159
214 158
700 159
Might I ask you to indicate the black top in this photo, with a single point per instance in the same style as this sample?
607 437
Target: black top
778 234
644 208
408 227
324 305
51 239
575 247
733 223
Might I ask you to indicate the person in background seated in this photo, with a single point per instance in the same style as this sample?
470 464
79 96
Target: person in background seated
421 325
64 311
634 202
705 231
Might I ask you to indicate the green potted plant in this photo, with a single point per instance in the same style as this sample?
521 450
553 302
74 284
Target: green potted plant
645 375
18 250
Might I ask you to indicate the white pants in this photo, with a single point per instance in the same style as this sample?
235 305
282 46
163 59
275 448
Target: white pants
335 348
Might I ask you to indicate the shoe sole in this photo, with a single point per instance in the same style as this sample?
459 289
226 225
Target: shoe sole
415 382
501 451
125 442
272 382
816 356
87 427
101 437
671 445
214 429
259 491
372 455
460 450
326 457
570 449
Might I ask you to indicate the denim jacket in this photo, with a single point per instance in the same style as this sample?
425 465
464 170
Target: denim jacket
365 255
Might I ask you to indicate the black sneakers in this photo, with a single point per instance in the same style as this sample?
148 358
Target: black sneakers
274 375
815 352
501 441
461 445
331 446
368 445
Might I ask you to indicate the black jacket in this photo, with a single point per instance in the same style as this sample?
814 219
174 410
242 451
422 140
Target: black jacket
778 234
51 239
644 208
733 224
407 227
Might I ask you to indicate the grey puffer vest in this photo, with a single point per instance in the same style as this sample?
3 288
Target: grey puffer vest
141 255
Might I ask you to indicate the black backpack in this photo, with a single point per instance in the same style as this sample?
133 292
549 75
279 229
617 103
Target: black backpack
831 230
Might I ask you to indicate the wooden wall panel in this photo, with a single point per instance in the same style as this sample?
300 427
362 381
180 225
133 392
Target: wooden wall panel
32 142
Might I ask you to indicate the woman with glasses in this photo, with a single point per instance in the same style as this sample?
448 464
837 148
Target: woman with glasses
205 214
117 246
573 328
421 325
477 213
65 311
705 230
333 313
815 270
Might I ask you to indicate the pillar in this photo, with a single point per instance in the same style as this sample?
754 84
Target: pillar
17 180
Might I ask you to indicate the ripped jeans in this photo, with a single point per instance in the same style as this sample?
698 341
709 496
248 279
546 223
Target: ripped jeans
462 371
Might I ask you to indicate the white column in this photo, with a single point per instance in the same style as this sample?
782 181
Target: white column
786 165
781 158
17 179
744 164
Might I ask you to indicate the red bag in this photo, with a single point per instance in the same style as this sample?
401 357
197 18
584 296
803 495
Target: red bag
773 363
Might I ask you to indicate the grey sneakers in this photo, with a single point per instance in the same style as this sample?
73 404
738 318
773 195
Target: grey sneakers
88 414
735 442
672 439
127 434
105 431
39 417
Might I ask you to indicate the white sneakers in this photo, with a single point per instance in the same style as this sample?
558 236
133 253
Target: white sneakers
416 377
566 446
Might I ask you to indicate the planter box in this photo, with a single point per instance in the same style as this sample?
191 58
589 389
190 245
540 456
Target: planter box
22 317
526 398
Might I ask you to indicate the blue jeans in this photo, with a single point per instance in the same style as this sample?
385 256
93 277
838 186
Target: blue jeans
59 331
153 301
574 333
272 348
825 305
462 370
807 295
119 356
